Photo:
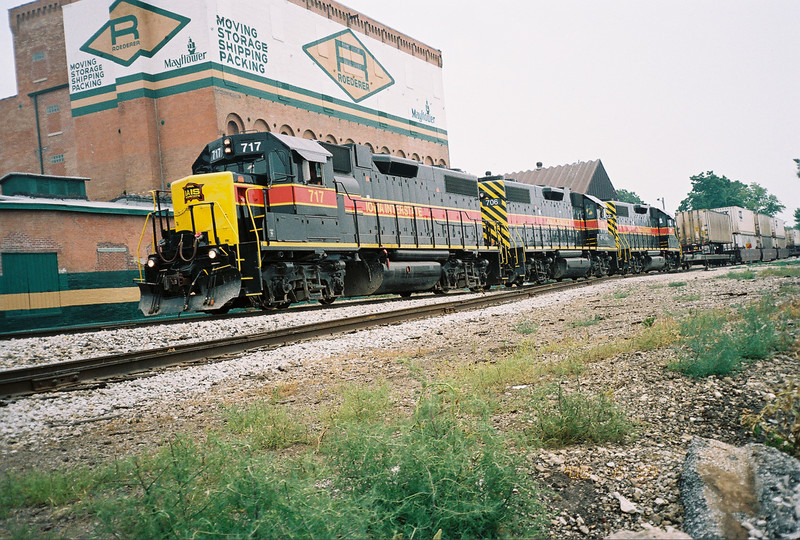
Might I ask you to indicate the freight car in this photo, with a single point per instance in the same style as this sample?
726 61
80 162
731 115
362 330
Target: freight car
267 219
730 235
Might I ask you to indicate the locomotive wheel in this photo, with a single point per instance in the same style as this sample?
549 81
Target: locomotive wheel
220 311
406 294
284 305
327 301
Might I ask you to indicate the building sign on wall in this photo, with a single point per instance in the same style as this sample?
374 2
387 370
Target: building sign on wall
349 64
273 49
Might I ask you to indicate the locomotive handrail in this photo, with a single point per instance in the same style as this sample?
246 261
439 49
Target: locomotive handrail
253 220
355 209
139 246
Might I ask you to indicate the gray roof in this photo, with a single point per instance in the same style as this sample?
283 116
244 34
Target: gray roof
588 177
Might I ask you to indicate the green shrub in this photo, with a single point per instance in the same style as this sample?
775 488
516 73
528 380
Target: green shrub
362 404
579 323
437 472
744 274
559 418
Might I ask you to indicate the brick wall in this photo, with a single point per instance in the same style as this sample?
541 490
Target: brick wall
84 242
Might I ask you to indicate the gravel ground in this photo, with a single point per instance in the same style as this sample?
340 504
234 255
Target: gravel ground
593 490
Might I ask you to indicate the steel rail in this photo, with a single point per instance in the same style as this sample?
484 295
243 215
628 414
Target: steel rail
45 377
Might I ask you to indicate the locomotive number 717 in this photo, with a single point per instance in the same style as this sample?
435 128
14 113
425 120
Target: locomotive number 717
250 147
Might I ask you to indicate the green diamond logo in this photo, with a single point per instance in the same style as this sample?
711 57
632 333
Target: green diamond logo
349 63
134 29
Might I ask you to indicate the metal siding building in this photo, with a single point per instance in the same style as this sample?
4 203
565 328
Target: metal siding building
588 177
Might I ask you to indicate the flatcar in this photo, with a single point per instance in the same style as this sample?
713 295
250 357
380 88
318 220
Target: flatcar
266 220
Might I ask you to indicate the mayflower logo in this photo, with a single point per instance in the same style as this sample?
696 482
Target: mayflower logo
185 59
134 29
423 116
193 192
351 66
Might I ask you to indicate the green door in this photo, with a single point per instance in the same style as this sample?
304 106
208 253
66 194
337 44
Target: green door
31 274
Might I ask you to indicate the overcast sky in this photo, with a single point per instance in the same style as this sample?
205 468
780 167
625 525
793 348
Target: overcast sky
658 90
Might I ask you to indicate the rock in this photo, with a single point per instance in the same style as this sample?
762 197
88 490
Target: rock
650 533
625 505
725 490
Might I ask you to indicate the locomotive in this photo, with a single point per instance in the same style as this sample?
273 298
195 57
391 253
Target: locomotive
267 219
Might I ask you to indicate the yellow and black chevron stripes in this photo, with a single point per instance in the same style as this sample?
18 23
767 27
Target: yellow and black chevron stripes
494 212
612 221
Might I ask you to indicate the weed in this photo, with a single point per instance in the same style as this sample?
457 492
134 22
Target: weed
677 284
362 404
648 322
690 297
619 295
779 422
526 327
561 418
266 425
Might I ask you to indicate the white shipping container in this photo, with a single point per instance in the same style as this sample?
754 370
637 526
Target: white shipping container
746 241
779 227
742 220
703 227
764 225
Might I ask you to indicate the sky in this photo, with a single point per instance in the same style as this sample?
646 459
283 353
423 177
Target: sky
658 90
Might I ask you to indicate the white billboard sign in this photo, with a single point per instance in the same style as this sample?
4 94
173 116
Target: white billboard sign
123 49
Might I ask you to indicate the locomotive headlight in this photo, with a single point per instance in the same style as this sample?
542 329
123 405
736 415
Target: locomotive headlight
212 254
227 146
151 263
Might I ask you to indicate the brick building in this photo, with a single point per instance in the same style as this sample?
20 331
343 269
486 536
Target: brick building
127 93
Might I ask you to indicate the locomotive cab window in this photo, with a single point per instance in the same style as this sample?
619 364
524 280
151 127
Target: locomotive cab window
280 167
312 172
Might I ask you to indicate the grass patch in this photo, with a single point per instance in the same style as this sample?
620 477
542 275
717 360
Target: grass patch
719 343
784 271
677 284
526 327
690 297
266 425
559 418
619 295
740 275
438 471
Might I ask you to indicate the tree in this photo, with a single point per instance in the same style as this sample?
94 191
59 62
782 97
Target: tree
797 218
623 195
712 191
798 167
759 200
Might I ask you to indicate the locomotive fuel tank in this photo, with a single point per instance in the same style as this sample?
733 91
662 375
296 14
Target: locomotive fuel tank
370 276
573 267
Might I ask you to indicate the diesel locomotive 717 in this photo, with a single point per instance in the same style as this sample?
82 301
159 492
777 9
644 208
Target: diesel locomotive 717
266 220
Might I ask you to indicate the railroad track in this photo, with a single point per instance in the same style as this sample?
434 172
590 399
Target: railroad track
194 317
63 375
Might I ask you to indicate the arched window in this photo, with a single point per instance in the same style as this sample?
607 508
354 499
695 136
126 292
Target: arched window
385 150
442 163
308 134
428 160
330 139
371 148
400 153
415 157
260 125
233 124
349 141
286 130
